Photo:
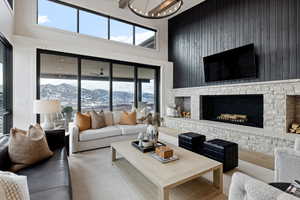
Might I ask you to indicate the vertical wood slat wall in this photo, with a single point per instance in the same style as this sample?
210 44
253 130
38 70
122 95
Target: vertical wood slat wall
218 25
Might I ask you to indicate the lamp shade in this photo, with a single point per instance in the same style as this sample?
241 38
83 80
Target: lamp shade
46 106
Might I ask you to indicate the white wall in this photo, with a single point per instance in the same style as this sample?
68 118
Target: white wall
6 20
28 37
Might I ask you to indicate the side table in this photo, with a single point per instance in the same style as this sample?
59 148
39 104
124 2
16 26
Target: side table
63 141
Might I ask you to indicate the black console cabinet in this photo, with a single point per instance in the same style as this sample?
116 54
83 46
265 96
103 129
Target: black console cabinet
192 141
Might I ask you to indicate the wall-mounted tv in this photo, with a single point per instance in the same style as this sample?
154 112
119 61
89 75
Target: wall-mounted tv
238 63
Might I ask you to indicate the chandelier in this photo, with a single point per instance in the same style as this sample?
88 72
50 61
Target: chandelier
155 9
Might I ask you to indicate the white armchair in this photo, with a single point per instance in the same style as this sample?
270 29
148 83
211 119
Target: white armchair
287 163
244 187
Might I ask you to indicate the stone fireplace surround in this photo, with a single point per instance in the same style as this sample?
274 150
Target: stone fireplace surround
281 107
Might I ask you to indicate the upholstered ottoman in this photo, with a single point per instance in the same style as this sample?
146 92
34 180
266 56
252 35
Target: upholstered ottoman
222 151
191 141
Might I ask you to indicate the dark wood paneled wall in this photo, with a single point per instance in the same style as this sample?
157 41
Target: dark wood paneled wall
217 25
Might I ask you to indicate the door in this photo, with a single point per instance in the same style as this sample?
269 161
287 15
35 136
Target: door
5 86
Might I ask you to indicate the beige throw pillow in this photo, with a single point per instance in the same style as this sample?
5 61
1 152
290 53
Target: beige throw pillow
97 120
28 147
108 116
128 118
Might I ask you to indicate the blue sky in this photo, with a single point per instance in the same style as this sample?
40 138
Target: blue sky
63 17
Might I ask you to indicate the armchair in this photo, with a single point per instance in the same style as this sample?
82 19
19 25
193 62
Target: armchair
244 187
287 163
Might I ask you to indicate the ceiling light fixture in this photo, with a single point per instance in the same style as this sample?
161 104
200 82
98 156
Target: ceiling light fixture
155 9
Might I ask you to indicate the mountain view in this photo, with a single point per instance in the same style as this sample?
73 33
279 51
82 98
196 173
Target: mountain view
90 99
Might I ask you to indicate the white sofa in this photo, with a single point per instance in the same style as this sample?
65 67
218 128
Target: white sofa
98 138
287 163
244 187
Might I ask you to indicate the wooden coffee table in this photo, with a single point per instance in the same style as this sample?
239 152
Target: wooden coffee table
166 176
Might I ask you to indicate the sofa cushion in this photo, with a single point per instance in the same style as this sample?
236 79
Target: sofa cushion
83 121
48 176
28 147
117 117
97 119
128 118
133 129
93 134
108 117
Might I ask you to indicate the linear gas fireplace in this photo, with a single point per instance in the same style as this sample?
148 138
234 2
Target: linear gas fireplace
246 110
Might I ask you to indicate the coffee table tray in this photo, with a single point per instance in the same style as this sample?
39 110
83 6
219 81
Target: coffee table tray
162 160
146 149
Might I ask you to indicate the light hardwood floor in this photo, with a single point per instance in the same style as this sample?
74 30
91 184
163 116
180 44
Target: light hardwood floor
95 178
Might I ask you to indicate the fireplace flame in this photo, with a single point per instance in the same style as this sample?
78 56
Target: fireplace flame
233 117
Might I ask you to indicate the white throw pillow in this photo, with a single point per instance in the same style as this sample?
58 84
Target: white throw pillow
13 187
117 117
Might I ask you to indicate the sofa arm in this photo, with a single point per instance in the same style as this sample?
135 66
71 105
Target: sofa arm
74 138
246 187
287 165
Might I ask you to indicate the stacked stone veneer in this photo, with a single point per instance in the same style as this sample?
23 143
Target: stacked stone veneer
281 107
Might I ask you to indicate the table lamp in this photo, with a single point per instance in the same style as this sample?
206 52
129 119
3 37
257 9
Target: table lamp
46 108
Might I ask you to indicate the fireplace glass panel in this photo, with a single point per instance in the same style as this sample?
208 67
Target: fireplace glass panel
244 110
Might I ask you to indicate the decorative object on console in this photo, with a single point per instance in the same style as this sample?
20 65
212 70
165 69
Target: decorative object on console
46 108
13 187
28 147
172 112
295 128
155 9
83 121
67 112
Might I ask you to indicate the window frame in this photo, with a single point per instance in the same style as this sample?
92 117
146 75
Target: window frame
7 85
79 8
111 62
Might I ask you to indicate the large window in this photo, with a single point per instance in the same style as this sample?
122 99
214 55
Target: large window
58 80
123 87
83 83
95 85
5 86
61 15
121 32
145 37
92 24
57 15
146 87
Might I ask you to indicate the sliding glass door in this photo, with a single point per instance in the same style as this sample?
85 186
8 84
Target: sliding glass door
5 86
83 83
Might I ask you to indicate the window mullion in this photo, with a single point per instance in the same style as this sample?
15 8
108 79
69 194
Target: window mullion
108 28
79 85
135 86
133 35
110 86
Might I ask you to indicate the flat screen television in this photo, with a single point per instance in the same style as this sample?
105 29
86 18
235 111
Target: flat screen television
238 63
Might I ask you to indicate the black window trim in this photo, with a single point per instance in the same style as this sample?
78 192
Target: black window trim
7 85
78 8
111 62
